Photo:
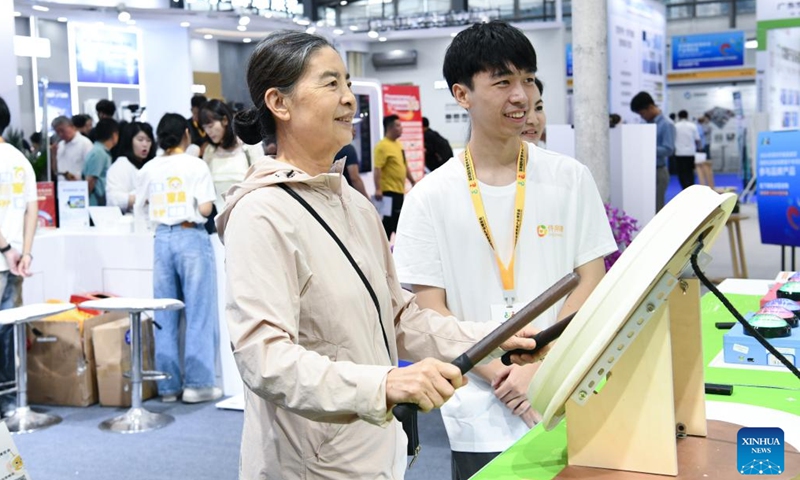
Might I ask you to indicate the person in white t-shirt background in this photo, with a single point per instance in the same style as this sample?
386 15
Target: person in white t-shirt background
177 190
137 146
687 142
71 150
442 251
18 219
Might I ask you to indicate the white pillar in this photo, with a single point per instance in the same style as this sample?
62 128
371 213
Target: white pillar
8 75
590 86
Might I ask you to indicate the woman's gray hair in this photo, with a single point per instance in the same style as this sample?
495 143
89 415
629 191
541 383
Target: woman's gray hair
278 61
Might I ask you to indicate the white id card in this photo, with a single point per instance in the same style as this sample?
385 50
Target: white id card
502 312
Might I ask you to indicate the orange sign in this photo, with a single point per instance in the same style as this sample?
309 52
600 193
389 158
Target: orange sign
403 101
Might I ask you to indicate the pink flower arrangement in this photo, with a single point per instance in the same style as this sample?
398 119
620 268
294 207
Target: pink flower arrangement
624 228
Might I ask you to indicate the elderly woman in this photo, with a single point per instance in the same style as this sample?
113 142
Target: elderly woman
316 343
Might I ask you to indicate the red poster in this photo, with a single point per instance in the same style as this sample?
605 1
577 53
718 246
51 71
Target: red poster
47 204
403 101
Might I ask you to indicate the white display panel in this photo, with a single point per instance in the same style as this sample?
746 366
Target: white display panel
636 53
783 72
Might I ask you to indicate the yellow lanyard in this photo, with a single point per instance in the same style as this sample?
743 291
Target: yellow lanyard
506 271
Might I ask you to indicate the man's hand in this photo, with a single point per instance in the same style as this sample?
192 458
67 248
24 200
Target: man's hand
69 176
24 265
12 258
378 195
511 387
428 383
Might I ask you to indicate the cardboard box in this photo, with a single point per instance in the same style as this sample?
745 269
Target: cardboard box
61 366
112 353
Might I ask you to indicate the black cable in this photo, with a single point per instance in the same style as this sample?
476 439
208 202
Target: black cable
750 330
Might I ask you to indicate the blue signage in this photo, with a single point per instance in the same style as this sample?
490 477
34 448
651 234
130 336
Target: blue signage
760 451
569 60
778 161
59 101
708 50
106 55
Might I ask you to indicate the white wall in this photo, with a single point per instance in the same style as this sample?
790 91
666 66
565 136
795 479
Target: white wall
167 70
205 55
436 104
8 76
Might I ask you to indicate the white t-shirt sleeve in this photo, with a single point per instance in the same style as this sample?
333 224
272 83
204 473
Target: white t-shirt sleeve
416 251
116 184
204 186
30 192
595 237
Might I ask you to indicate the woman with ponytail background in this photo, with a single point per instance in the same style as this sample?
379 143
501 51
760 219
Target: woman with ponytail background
316 346
177 190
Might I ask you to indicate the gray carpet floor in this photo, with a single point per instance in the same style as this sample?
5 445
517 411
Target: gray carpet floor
202 443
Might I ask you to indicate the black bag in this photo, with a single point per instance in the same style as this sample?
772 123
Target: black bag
410 425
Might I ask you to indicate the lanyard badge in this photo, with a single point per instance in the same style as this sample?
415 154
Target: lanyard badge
506 271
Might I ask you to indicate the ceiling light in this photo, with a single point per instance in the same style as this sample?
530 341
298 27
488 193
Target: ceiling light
244 20
372 34
208 36
353 28
343 3
41 8
185 24
247 40
751 44
241 28
124 16
338 31
453 34
17 14
311 30
20 81
267 14
382 39
62 19
302 21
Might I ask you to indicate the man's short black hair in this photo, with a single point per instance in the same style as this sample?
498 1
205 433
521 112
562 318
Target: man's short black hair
425 122
388 120
641 101
105 129
106 107
493 47
80 120
683 114
5 116
198 101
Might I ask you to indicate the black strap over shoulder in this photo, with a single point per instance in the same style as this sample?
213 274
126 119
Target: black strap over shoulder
352 261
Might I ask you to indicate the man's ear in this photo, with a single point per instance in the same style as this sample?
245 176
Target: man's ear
462 95
277 103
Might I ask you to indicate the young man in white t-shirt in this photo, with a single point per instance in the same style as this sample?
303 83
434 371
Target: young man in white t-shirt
18 218
453 263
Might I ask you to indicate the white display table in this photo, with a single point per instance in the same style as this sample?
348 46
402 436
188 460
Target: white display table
67 262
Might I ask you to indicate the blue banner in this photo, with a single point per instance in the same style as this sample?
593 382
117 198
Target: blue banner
778 161
105 55
569 60
59 101
708 50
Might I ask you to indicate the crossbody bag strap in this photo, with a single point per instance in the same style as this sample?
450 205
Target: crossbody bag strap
352 261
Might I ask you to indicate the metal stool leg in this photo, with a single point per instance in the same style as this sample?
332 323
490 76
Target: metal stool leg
25 420
137 419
